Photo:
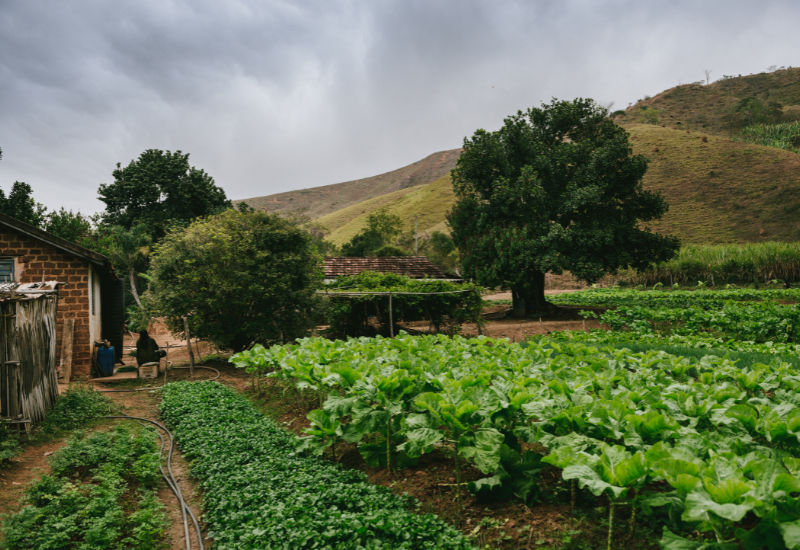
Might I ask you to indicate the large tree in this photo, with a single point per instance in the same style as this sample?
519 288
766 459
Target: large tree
160 189
556 188
239 277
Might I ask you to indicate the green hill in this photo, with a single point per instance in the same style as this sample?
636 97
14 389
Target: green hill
319 201
719 191
717 108
429 203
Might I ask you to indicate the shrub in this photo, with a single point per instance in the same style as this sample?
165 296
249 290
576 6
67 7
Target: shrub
241 277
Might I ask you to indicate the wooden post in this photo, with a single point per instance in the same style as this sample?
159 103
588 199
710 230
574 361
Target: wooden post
189 346
66 349
391 320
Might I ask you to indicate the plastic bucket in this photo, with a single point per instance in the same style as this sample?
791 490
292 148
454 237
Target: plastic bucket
105 359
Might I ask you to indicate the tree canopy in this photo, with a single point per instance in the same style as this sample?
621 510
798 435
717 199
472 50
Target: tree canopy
160 189
556 188
239 277
21 205
382 228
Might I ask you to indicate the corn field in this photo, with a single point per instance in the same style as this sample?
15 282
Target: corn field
783 136
729 263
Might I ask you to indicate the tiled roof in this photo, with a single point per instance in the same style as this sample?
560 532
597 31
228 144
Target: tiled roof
416 267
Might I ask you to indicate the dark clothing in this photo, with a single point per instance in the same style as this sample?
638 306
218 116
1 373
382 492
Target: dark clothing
146 351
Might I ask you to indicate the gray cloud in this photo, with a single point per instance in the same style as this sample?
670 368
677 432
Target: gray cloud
269 96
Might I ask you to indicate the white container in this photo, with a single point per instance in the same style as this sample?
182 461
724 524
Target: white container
148 370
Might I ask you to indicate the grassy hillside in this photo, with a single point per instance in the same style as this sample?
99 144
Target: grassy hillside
719 191
429 203
712 108
319 201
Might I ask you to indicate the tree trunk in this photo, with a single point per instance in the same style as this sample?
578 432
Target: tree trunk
133 287
533 292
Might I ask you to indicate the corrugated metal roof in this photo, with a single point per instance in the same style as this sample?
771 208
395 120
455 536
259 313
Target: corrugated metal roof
417 267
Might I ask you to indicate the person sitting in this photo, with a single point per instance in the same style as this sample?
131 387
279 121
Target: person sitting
147 349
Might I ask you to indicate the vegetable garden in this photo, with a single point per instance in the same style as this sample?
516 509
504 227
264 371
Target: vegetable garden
702 435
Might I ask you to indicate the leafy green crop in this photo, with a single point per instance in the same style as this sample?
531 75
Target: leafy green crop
724 438
112 505
260 493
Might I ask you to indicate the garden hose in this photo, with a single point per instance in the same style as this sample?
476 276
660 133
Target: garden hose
172 483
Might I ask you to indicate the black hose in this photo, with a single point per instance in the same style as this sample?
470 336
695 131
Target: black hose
173 484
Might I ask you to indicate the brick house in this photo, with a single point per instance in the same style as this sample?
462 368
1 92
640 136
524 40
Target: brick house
92 293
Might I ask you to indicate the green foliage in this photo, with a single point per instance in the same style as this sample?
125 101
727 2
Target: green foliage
258 492
441 250
730 262
649 115
74 407
112 505
158 189
783 136
9 444
758 111
20 204
239 277
354 315
63 223
556 188
713 442
381 230
389 250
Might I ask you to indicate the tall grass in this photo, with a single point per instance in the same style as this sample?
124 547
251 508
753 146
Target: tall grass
783 136
729 263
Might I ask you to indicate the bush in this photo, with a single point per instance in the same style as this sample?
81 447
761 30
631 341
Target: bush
351 316
73 408
240 277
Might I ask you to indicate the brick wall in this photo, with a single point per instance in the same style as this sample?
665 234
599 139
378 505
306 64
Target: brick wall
37 261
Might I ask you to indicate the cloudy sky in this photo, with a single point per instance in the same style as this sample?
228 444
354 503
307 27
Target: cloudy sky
270 96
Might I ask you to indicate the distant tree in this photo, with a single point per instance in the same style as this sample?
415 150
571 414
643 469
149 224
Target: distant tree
442 251
382 229
20 205
708 76
759 111
389 250
239 278
556 188
74 227
160 189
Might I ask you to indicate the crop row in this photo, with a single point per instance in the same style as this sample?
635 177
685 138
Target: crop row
672 298
758 322
260 493
113 503
724 439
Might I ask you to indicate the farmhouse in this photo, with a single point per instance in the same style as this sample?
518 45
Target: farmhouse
416 267
89 294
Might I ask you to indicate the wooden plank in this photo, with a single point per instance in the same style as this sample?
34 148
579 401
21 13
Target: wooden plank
67 335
